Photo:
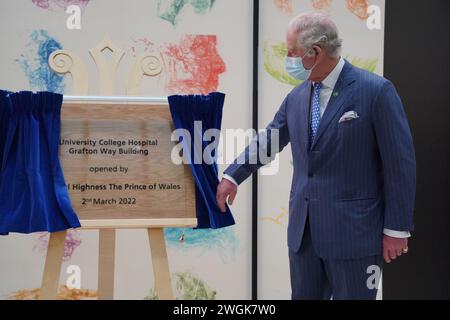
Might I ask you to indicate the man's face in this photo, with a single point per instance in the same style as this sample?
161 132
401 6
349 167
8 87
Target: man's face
294 51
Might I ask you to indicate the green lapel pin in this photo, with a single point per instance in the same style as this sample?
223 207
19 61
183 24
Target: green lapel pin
335 94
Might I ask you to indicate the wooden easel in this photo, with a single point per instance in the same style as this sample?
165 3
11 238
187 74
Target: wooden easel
53 262
65 62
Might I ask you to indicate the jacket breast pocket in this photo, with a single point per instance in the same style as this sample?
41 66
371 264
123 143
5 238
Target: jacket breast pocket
351 123
354 129
350 116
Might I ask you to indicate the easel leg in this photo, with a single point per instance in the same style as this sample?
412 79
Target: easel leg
52 268
107 246
163 285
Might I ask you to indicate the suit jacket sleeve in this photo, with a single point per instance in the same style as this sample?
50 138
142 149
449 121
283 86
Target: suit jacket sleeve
396 149
263 148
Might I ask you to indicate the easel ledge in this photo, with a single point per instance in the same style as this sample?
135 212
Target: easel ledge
116 99
138 223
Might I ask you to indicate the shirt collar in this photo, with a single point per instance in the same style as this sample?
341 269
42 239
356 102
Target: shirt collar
332 78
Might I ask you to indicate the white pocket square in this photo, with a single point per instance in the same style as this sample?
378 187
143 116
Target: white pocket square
350 115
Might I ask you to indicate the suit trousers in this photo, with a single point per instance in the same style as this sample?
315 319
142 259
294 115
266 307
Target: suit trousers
317 278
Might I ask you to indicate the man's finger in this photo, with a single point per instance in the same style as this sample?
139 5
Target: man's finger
386 256
231 198
222 205
221 201
392 254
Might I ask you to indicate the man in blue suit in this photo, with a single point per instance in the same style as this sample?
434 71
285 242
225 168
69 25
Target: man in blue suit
353 188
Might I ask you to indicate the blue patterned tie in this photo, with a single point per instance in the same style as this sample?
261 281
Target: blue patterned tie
315 112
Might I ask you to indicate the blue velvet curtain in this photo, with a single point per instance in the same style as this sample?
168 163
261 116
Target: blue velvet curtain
4 114
185 111
33 193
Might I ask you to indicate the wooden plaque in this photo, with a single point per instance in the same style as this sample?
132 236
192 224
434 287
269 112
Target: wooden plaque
116 159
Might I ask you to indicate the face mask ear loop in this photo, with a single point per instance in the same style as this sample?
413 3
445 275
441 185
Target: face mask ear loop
312 68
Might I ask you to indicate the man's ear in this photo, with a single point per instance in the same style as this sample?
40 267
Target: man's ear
317 50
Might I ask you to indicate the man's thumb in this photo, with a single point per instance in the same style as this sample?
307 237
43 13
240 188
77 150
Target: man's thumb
231 197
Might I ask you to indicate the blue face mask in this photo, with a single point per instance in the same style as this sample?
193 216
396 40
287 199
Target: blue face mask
295 68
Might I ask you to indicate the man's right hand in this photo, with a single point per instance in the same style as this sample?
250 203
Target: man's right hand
225 189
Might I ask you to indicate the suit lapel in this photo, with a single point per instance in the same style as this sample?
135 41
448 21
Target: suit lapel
338 97
304 104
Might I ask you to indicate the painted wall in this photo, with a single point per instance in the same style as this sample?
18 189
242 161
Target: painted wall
202 52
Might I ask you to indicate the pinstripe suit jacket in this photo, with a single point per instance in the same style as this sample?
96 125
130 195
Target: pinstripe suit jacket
356 178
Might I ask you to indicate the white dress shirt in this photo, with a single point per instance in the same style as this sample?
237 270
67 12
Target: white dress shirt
328 85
